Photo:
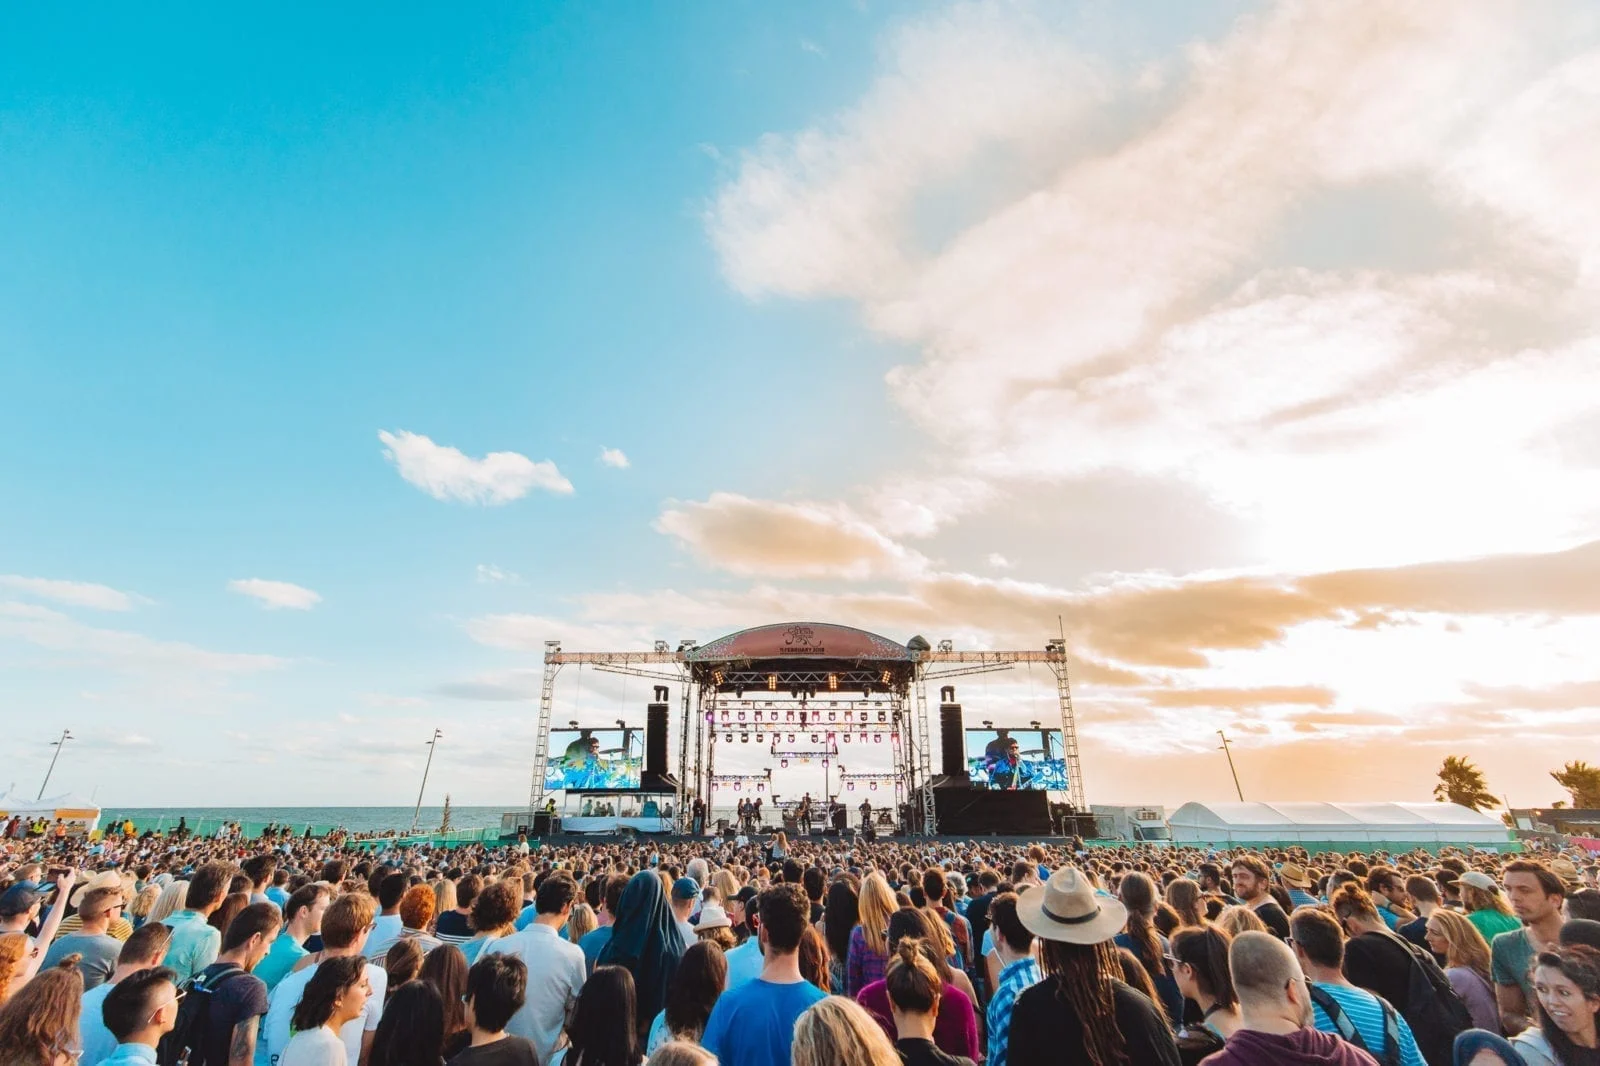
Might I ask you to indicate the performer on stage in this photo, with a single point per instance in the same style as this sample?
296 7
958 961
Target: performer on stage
866 813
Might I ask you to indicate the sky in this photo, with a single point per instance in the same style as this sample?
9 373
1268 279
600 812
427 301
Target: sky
344 362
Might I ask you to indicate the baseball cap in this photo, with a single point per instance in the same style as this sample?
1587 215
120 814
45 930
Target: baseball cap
746 894
685 888
19 898
1479 879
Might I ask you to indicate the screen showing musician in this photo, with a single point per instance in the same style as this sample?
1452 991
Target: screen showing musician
594 759
1013 759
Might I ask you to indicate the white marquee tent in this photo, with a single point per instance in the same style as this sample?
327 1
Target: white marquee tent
1354 823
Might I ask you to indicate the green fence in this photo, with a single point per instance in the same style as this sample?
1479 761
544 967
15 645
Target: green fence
208 827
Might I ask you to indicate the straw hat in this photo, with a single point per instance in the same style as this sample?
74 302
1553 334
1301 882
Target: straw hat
1563 868
713 917
1294 875
1069 911
103 879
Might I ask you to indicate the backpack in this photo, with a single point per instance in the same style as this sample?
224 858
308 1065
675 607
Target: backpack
1433 1010
1351 1035
186 1043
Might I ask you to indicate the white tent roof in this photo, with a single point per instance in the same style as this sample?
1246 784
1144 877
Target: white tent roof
1447 823
14 804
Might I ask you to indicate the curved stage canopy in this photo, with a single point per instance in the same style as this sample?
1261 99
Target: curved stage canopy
801 640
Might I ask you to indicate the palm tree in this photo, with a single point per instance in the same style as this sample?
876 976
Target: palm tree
1581 781
444 820
1462 782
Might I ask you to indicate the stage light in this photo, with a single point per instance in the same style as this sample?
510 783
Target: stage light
877 738
788 716
850 786
791 738
745 737
833 682
784 763
873 785
833 716
847 738
882 717
772 682
885 677
814 739
718 676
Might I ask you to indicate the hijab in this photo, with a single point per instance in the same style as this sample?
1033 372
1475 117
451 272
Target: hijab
645 939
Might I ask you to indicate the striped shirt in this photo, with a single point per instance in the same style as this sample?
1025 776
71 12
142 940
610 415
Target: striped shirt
1365 1012
1016 978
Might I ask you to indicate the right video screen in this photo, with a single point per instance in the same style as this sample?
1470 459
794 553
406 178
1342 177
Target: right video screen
1016 758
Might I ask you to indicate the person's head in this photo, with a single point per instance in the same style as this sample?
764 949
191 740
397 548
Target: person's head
615 885
416 907
911 980
1534 891
348 921
1235 920
1210 877
402 963
391 889
683 895
1183 896
1385 883
496 988
1450 934
555 896
307 904
412 1031
840 913
1479 892
839 1032
251 933
1006 929
581 922
142 1007
146 947
497 906
814 957
1251 877
39 1023
785 913
1318 939
1354 909
337 992
100 906
681 1053
467 890
934 886
228 909
445 968
1200 965
700 979
174 897
1268 979
876 904
208 886
1566 983
604 1027
14 949
1582 904
1423 890
260 869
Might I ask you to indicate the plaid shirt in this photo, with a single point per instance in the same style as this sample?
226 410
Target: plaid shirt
1014 980
864 965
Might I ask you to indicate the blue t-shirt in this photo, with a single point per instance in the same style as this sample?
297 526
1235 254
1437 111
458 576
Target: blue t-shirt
592 943
753 1025
745 963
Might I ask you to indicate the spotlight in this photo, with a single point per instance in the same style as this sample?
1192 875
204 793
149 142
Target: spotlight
772 682
833 682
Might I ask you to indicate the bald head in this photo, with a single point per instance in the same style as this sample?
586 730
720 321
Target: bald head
1263 967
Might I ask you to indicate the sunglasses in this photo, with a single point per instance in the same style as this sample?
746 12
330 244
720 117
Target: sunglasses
176 999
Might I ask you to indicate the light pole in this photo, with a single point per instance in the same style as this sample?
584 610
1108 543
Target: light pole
426 767
1229 752
66 735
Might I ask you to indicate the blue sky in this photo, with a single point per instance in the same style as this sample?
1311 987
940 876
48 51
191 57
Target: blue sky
904 316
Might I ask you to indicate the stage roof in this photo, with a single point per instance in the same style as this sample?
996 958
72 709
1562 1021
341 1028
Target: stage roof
801 640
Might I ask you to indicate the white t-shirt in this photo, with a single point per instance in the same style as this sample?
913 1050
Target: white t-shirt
274 1039
319 1047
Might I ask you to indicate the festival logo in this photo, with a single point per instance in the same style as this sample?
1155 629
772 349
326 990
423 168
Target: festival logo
800 638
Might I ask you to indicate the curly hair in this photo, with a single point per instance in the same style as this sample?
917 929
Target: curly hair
497 906
13 946
417 907
39 1024
1083 974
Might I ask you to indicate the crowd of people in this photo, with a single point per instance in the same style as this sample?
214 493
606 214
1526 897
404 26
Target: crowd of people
296 952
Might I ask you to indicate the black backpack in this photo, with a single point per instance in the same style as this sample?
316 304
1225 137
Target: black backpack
186 1043
1351 1035
1433 1010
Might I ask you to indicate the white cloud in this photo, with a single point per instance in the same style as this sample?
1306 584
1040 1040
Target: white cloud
446 473
614 457
808 45
998 561
74 593
276 594
489 574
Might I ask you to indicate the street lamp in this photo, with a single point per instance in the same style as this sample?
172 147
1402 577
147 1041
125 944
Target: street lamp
417 813
66 735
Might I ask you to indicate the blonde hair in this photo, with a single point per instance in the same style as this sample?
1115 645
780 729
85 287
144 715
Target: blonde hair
839 1032
681 1053
1465 946
13 949
172 900
876 905
1476 899
940 931
444 896
582 920
1240 919
145 901
726 884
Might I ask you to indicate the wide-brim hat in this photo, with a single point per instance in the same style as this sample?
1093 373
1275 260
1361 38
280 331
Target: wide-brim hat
104 879
1564 868
1068 910
713 917
1294 875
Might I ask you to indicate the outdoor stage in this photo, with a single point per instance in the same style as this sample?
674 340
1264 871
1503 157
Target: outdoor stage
816 694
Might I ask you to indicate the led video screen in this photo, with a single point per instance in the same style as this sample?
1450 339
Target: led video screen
1006 759
594 758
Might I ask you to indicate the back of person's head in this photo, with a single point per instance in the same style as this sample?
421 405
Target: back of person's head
911 980
681 1053
604 1029
497 986
1004 922
1204 949
813 881
261 919
1422 888
416 907
1577 932
411 1032
1584 903
1235 920
303 897
334 871
814 957
785 913
1262 967
791 872
402 962
209 884
467 890
132 1001
148 945
555 894
1352 901
839 1032
497 906
391 888
1319 935
260 868
347 919
445 968
331 979
695 988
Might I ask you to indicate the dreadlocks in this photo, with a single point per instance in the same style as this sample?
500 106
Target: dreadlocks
1083 975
